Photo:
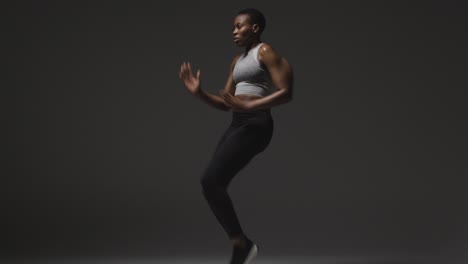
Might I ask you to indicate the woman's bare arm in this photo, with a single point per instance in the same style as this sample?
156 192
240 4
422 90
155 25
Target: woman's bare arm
193 84
215 100
282 77
212 100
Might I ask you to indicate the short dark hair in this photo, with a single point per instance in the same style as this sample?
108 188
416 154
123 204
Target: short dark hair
256 17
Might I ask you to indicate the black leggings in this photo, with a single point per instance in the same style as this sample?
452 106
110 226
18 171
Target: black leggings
248 134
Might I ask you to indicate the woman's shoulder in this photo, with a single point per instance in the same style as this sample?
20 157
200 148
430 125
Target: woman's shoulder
266 47
266 51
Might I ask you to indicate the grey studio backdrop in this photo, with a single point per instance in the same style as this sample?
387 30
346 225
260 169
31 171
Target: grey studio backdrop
106 147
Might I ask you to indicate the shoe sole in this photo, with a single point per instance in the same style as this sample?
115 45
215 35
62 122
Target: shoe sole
252 254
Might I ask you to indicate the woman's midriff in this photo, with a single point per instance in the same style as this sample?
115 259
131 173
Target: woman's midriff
245 97
248 97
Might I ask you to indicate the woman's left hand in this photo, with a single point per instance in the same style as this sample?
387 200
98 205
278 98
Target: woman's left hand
235 103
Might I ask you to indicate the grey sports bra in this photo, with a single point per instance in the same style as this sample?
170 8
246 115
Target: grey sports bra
250 77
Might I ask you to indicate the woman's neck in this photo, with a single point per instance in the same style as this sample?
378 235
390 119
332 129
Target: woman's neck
251 45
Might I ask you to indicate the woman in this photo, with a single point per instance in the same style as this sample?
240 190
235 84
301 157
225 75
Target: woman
248 92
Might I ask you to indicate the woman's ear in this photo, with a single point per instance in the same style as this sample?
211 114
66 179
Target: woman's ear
255 28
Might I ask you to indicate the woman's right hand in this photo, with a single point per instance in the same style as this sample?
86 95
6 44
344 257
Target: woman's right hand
191 82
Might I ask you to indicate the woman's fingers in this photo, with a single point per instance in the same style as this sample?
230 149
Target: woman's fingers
190 73
228 98
183 70
227 101
186 71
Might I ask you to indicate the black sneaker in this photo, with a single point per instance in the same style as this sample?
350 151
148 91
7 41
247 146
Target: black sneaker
244 255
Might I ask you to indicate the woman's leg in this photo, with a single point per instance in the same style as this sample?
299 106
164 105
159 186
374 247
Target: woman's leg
237 147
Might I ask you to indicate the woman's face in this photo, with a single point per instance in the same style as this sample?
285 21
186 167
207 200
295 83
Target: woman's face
242 30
